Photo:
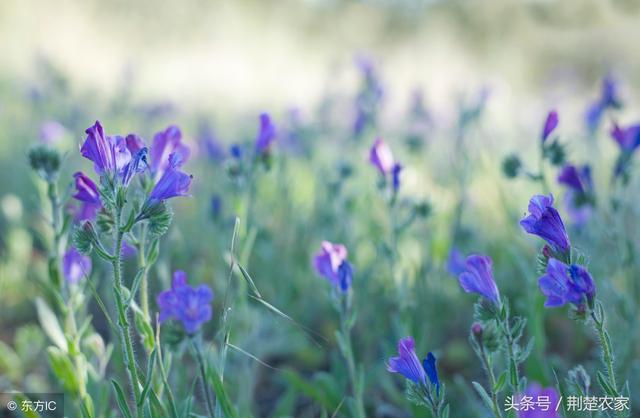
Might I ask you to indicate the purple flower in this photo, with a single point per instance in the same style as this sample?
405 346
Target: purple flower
542 402
108 153
627 138
134 143
478 278
381 157
128 250
138 164
266 135
579 196
549 125
210 143
566 284
165 144
51 132
608 99
544 221
87 193
456 262
407 362
331 263
189 305
395 176
75 266
173 182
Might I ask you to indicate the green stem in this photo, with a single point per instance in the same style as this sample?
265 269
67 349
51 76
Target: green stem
56 218
203 375
492 382
123 322
607 355
345 329
144 284
514 378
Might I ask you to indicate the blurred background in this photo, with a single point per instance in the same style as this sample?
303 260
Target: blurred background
212 67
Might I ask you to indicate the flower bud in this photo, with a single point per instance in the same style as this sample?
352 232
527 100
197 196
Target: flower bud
511 166
45 161
476 330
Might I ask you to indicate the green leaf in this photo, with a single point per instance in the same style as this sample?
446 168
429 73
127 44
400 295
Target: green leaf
483 394
221 395
50 325
63 369
249 280
121 399
513 371
605 385
502 379
147 385
135 285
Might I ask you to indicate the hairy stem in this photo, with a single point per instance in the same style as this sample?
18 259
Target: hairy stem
56 220
142 263
123 322
486 363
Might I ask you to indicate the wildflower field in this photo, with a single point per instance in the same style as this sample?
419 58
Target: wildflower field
319 209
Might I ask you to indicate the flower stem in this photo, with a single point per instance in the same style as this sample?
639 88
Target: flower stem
607 354
123 322
56 218
347 352
486 363
203 377
142 263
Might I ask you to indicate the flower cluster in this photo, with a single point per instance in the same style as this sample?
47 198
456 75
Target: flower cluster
191 306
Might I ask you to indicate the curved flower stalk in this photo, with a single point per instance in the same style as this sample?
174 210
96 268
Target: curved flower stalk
550 150
494 330
628 141
566 282
331 263
423 383
66 270
401 214
192 308
580 196
117 161
608 99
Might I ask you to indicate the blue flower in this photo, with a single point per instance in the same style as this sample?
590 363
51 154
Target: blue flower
189 305
395 176
87 193
266 135
478 278
455 262
579 198
544 221
173 182
75 266
550 125
407 362
566 284
608 99
331 263
167 150
108 153
345 275
429 365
